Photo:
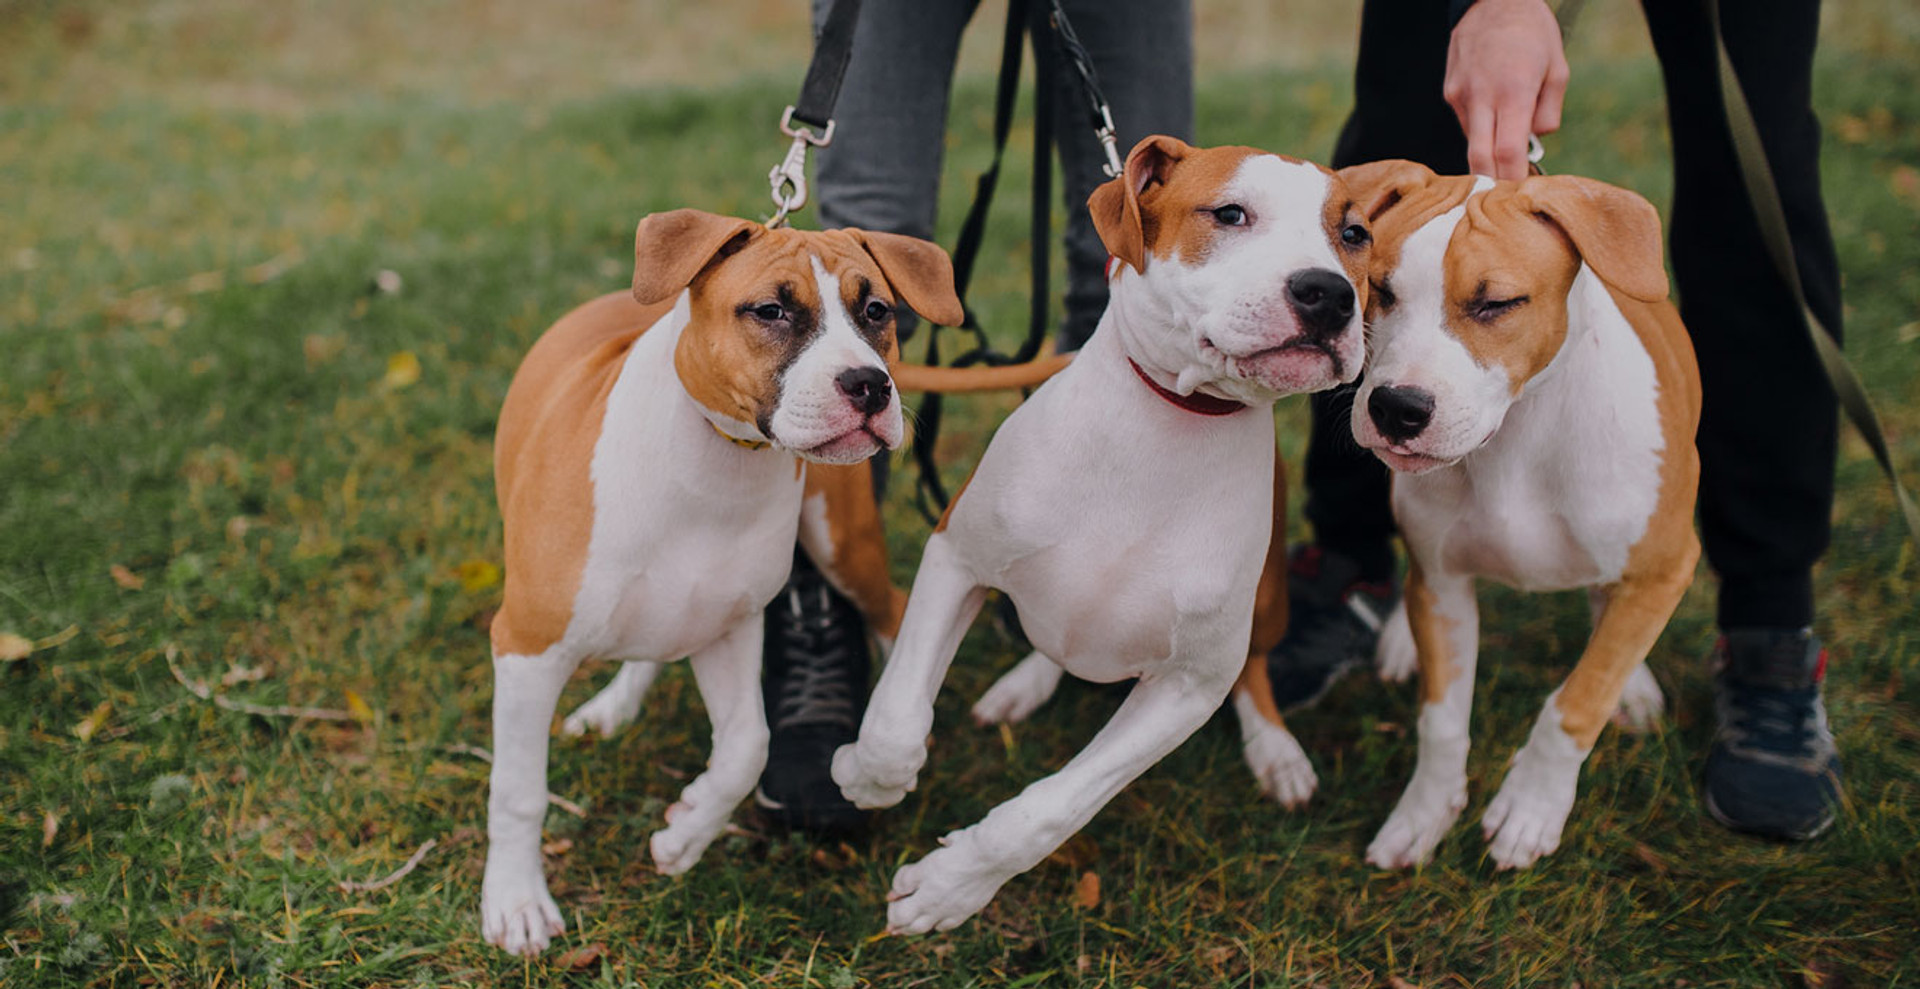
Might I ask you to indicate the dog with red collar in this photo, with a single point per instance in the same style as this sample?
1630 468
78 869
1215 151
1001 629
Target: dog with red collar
1126 508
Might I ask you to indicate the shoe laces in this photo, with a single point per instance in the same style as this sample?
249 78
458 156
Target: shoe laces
814 685
1770 719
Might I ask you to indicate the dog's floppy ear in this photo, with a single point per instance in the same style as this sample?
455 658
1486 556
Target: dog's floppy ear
921 272
1616 231
1115 205
1378 186
671 248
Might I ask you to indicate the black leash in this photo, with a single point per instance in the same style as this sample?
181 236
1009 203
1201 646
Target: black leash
832 50
1023 19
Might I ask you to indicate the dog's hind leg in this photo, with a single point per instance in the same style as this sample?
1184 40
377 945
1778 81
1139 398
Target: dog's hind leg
516 912
879 768
1019 692
728 673
617 704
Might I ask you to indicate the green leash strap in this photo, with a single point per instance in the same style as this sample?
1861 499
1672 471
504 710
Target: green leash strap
1765 196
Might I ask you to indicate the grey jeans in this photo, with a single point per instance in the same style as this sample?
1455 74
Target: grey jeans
882 171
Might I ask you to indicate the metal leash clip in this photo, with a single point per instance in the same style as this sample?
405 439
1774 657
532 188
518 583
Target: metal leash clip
788 180
1108 142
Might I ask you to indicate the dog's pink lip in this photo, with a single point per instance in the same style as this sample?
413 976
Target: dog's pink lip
846 439
1407 461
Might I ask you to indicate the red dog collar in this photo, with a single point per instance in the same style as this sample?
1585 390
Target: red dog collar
1205 405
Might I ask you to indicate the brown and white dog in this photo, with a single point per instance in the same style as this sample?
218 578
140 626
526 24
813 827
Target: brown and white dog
1126 508
646 470
1536 395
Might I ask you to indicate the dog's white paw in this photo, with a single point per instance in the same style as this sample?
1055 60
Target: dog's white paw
616 705
1395 656
939 892
1525 818
1417 824
1641 703
1019 693
869 780
679 845
517 914
1278 762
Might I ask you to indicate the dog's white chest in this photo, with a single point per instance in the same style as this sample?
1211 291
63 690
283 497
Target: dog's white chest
690 536
1120 549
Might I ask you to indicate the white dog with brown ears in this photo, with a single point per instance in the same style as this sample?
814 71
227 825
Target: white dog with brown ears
647 476
1536 396
1126 508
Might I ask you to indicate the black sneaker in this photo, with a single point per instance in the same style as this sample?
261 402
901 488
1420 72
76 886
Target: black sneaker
1773 769
1333 621
814 680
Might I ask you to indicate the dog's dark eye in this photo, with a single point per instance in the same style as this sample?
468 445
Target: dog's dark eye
1355 235
771 312
877 311
1232 215
1488 310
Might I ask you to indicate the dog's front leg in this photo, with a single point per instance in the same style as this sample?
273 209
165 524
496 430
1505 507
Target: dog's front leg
1525 819
1445 621
952 883
728 673
879 768
516 912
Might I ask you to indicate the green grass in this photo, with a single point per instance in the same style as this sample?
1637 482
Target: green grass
300 521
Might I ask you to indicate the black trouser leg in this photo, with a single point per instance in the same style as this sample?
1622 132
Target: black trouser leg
1398 113
1769 423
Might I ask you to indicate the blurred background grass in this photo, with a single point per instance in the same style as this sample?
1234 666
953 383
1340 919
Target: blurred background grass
220 439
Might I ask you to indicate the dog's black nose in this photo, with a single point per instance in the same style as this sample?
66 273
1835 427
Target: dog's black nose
866 387
1400 413
1323 300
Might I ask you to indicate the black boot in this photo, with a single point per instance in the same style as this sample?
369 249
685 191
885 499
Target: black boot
814 679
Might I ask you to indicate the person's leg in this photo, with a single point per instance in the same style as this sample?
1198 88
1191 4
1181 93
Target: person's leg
1769 426
1340 587
882 172
1143 53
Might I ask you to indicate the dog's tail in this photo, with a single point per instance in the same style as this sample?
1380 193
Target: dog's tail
947 380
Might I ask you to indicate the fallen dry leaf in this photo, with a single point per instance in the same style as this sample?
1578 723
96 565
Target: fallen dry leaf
14 647
49 827
558 846
1397 982
127 579
478 575
403 369
358 708
87 726
583 957
1086 892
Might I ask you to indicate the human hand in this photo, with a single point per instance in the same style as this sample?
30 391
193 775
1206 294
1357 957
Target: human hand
1506 77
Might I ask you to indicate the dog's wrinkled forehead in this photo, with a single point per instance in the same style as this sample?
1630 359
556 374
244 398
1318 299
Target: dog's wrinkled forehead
1282 200
778 265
